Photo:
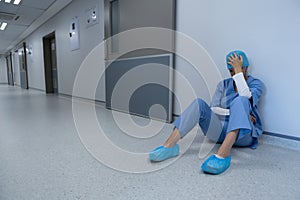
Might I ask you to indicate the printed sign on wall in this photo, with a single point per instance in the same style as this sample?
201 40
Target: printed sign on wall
74 33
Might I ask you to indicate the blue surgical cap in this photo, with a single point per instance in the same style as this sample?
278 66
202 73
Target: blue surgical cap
239 53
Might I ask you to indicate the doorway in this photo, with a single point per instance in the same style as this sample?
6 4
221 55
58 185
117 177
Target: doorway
10 76
23 66
50 63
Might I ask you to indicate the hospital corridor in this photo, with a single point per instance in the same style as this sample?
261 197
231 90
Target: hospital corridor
142 100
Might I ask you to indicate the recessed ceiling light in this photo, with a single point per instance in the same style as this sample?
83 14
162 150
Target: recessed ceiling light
16 2
3 26
7 1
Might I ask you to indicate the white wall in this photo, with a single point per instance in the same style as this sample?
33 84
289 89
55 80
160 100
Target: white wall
3 70
269 32
68 62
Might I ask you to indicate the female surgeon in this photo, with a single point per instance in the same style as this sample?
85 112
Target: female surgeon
232 119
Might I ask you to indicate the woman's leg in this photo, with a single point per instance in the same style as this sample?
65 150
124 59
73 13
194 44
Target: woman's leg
239 126
173 139
239 119
198 112
230 141
225 148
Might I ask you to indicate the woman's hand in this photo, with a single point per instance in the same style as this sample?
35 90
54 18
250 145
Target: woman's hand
236 62
253 119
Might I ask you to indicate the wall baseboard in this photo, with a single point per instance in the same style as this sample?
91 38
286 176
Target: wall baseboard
32 88
82 98
282 136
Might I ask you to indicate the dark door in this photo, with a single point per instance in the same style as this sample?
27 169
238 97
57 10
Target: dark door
10 76
50 63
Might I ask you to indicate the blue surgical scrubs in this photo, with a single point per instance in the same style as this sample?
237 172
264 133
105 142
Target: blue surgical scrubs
214 126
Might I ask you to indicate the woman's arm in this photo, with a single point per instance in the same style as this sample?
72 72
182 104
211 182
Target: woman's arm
216 101
241 85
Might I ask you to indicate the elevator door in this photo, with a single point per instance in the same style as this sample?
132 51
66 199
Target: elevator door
10 76
148 92
54 65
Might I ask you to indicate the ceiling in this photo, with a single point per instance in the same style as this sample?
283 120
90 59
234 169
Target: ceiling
25 18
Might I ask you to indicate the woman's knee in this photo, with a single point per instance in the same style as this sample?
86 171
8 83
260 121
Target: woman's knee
240 100
201 103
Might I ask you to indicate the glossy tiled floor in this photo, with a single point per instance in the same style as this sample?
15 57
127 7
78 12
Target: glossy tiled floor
42 157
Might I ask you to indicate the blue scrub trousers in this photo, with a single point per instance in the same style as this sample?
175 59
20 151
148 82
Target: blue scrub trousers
213 126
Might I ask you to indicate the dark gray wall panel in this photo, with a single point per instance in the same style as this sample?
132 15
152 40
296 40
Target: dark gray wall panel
155 90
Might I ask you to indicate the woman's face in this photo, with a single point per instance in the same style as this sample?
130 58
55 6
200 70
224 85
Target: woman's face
232 73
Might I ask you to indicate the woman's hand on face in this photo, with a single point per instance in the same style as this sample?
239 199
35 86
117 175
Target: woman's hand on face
236 62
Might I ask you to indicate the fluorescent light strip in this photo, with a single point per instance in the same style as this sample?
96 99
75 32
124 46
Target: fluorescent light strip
16 2
3 26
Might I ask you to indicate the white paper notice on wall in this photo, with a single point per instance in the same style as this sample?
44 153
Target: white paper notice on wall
74 33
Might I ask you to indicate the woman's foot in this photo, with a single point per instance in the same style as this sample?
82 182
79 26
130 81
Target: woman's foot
219 162
162 153
216 164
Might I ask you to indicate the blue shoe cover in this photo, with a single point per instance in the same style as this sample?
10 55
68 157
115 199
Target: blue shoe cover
162 153
214 165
